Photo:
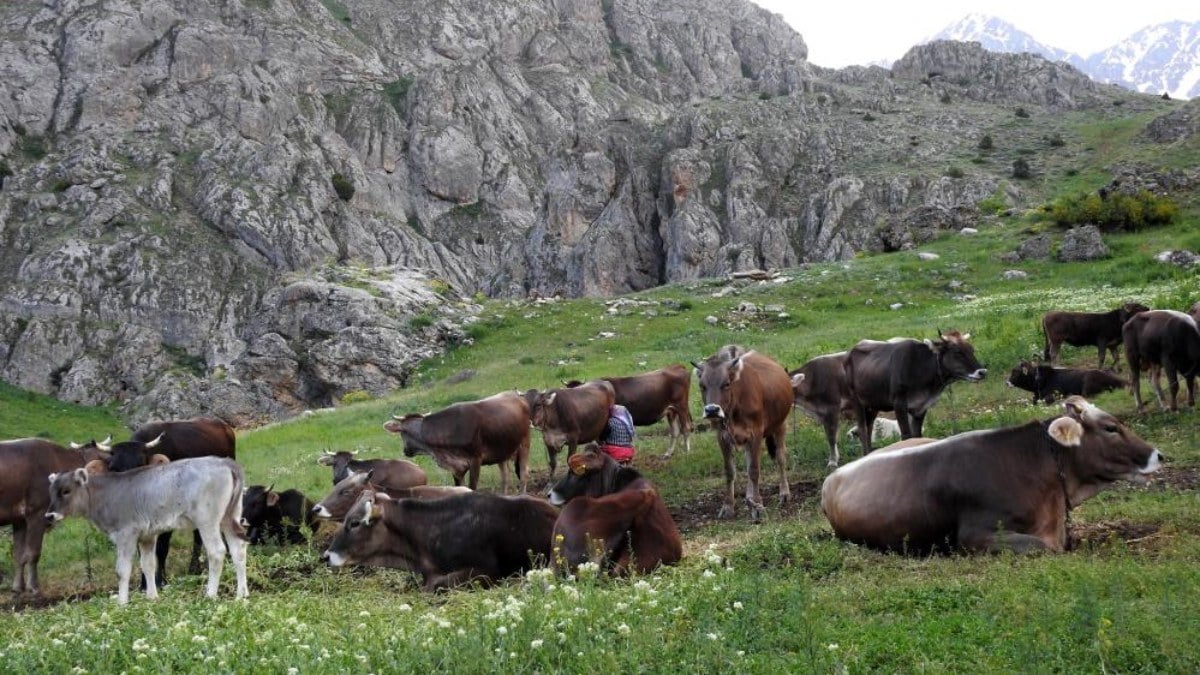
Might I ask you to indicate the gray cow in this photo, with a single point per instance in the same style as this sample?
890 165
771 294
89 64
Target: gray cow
133 507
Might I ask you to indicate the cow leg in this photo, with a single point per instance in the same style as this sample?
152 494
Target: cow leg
148 560
125 548
237 553
1154 374
866 422
1191 387
1102 348
552 460
729 508
522 465
1116 360
753 460
1135 383
161 548
983 540
776 440
215 549
1054 346
503 476
1173 385
19 529
918 424
673 427
474 481
31 553
830 424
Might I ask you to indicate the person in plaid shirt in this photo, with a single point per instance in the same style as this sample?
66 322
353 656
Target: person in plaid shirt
617 439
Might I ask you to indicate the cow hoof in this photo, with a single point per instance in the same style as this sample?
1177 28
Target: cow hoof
756 514
726 511
784 499
831 464
667 455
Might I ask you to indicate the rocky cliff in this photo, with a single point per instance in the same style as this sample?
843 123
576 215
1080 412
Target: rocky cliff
248 207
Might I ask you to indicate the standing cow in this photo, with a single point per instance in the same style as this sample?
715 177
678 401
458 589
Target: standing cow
24 497
820 389
1162 339
1083 329
651 396
907 376
570 416
134 506
999 489
747 396
466 436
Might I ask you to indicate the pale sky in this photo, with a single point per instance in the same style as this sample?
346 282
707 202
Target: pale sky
841 32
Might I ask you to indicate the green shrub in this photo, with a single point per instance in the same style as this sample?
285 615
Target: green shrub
342 186
868 117
1021 169
986 143
420 321
1021 112
61 185
1055 140
1115 211
764 96
954 172
397 95
355 396
946 98
338 10
33 147
746 72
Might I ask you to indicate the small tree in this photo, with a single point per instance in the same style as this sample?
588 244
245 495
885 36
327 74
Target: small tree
342 186
1021 112
1021 169
986 143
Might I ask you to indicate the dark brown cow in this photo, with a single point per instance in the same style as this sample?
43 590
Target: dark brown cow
392 474
274 517
466 436
1046 381
614 509
176 440
820 389
25 495
455 540
337 503
651 396
1162 339
1000 489
1194 312
1083 329
571 416
747 396
906 376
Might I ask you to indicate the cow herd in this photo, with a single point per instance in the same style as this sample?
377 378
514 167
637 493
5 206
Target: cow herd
984 490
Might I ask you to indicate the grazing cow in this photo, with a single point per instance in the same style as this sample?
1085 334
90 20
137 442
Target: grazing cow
335 505
907 376
466 436
449 541
612 516
820 389
651 396
275 517
134 506
992 490
747 396
883 429
1045 381
390 473
24 496
176 440
1082 329
1163 339
570 416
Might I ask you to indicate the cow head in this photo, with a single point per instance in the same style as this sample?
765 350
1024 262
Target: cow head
1100 448
345 493
258 502
956 357
717 374
1024 376
407 426
129 455
590 473
1130 308
339 461
68 491
360 536
541 410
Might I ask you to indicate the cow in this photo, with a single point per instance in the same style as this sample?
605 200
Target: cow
272 517
133 506
1194 312
176 440
466 436
1045 381
991 490
24 497
907 376
747 397
651 396
1082 329
819 388
474 536
1162 339
883 429
570 416
335 505
390 473
614 509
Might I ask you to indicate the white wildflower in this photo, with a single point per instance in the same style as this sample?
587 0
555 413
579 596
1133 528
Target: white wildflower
140 645
708 574
623 629
714 637
366 613
737 604
832 646
404 607
535 644
503 630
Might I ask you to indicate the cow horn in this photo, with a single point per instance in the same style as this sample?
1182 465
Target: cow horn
397 417
328 452
74 445
157 439
355 451
106 444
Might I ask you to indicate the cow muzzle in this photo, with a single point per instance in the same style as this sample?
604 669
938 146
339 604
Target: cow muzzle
712 411
976 375
333 558
321 512
53 517
554 498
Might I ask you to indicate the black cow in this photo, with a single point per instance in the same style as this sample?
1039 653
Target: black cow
1046 381
275 517
907 376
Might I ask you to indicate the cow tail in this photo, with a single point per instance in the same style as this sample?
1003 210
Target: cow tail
232 520
1045 342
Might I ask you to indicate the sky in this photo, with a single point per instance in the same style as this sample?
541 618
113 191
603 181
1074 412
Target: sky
846 32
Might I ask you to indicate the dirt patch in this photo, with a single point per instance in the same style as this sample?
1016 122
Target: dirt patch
1108 532
1177 478
702 511
16 603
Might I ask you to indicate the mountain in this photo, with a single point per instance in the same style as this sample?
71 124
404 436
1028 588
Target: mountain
1160 58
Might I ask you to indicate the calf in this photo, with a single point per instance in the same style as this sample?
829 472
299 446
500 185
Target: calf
820 389
651 396
464 437
1046 381
24 496
612 516
393 473
1082 329
883 429
747 396
570 416
134 506
1001 489
275 517
1163 339
335 505
450 541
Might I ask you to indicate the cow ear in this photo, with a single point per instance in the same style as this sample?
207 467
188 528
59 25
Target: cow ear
550 398
272 497
735 369
325 459
797 379
966 336
53 476
81 475
1077 406
158 460
370 472
1066 431
93 468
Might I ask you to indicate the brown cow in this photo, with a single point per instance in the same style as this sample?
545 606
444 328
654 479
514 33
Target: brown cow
1081 329
614 509
25 494
392 474
455 540
906 376
747 396
1162 339
1194 312
999 489
335 505
1045 381
570 416
820 389
651 396
465 436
